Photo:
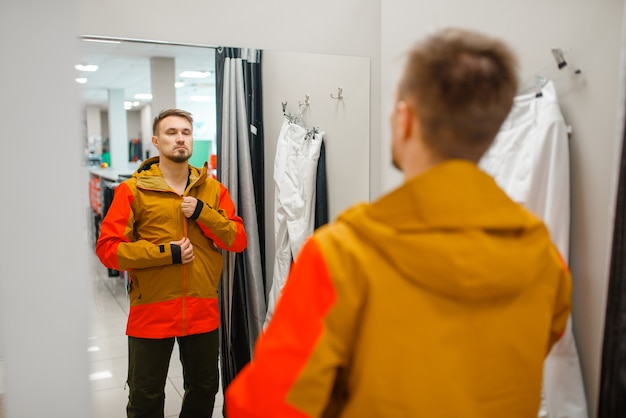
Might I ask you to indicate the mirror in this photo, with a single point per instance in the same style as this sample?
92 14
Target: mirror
288 77
114 71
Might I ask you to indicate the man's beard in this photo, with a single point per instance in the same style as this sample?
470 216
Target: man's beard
179 157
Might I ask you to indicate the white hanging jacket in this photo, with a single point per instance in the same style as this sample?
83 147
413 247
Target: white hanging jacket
529 160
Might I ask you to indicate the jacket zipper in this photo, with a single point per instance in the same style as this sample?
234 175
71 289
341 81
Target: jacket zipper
184 298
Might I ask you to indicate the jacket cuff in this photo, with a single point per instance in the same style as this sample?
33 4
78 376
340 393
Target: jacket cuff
196 212
177 257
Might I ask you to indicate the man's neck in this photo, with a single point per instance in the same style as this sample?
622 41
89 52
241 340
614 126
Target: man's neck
175 174
419 158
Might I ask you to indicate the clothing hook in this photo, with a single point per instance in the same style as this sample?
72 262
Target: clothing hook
306 102
339 94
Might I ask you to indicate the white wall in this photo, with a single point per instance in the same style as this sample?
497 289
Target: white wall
289 77
304 26
43 272
592 31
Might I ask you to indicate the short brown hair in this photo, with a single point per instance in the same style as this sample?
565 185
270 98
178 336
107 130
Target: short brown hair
167 113
462 84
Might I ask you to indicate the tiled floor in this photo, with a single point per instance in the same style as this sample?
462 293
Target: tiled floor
108 355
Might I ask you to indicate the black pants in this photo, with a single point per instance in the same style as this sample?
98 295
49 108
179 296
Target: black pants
148 364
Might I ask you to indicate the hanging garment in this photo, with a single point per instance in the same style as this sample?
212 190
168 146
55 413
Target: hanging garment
295 168
321 190
529 160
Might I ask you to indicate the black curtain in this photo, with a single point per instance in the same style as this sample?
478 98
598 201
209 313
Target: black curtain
236 331
612 399
254 107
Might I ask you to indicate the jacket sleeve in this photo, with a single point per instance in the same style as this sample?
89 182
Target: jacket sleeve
222 224
116 246
562 302
294 367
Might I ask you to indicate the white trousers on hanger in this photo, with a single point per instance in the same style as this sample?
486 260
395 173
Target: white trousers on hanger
529 160
295 170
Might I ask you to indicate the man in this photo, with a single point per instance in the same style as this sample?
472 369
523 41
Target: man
442 298
166 226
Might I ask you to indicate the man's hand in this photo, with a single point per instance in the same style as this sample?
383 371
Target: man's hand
186 249
189 205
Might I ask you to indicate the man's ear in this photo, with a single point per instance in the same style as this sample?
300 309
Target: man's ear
155 141
405 114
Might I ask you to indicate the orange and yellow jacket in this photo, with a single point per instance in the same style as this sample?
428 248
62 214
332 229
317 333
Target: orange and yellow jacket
441 299
169 299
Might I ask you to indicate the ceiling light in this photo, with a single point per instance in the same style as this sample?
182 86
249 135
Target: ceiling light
179 84
135 104
88 67
200 98
143 96
101 375
80 80
128 105
195 74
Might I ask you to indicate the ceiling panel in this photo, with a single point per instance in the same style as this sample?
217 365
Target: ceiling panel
126 65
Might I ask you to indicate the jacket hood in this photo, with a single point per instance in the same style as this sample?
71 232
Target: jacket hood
453 231
149 175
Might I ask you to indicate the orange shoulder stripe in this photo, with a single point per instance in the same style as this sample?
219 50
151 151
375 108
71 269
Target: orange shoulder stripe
282 351
113 226
226 203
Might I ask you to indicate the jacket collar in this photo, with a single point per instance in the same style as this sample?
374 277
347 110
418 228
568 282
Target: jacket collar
149 175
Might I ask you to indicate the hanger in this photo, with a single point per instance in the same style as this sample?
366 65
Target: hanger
310 134
540 79
291 117
297 118
540 83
